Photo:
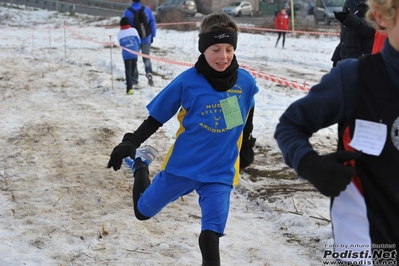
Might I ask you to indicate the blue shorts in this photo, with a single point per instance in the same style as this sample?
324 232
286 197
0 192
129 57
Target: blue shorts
214 199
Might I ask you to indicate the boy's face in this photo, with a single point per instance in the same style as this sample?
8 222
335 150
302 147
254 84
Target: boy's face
219 56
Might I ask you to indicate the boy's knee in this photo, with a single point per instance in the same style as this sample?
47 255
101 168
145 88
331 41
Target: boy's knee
137 213
208 236
139 216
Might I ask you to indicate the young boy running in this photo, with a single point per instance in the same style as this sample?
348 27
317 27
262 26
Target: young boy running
215 101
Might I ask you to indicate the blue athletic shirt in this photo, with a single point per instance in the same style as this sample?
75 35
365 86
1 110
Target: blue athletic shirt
204 150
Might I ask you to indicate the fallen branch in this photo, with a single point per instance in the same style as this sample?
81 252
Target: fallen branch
58 200
309 201
321 218
310 216
138 251
293 202
86 254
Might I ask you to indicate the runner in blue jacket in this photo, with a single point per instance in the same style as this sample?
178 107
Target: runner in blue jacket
362 177
214 102
146 42
129 38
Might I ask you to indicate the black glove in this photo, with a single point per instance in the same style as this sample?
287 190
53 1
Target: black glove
327 172
336 55
247 153
152 39
361 10
341 16
122 150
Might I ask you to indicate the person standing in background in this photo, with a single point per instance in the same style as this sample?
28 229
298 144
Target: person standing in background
357 36
128 37
281 22
146 42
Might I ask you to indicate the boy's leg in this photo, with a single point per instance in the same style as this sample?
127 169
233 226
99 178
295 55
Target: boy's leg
147 63
136 76
133 71
215 203
136 71
128 71
164 189
141 182
278 38
139 167
145 48
209 246
283 39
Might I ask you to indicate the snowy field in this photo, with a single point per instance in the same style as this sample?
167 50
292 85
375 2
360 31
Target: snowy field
63 108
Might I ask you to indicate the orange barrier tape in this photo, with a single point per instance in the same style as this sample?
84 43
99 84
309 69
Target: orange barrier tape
256 74
156 58
164 24
334 33
87 39
282 81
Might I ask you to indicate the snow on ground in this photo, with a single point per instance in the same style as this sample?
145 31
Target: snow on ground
63 108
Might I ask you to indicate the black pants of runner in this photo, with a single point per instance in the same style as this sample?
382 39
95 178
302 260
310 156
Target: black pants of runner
278 38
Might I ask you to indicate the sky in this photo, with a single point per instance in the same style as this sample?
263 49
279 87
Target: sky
63 108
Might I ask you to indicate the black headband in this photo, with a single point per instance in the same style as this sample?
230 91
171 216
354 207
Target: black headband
211 38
